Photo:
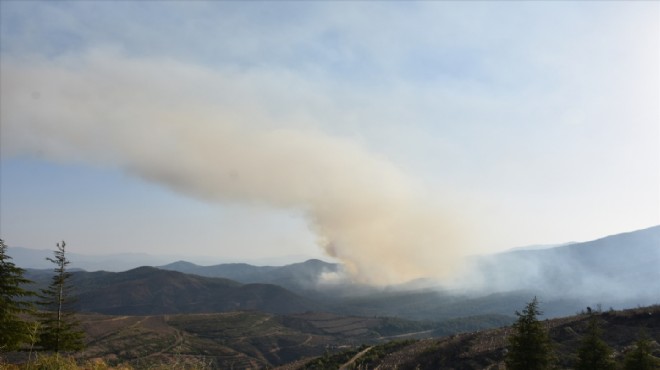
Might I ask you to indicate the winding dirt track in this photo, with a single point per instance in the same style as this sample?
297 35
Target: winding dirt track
405 335
354 358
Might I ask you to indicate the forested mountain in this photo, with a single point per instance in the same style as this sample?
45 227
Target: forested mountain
298 276
148 290
618 271
246 321
619 268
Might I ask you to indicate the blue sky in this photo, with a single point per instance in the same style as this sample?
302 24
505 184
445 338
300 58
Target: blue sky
417 131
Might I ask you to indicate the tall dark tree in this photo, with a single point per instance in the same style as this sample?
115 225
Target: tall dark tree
15 329
593 352
529 346
641 358
60 331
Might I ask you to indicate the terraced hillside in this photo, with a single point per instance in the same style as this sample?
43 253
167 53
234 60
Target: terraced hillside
486 349
240 339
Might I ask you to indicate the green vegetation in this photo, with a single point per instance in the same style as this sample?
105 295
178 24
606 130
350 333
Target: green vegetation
529 346
594 353
59 327
15 331
640 358
253 339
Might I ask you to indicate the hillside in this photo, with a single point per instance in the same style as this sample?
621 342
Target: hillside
249 339
150 291
616 268
239 339
227 323
296 276
442 305
619 271
486 349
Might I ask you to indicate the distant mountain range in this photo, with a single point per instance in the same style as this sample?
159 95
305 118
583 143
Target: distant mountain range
620 271
36 259
622 266
261 316
152 291
297 276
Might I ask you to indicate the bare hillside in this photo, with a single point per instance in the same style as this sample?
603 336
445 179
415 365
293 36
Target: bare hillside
487 349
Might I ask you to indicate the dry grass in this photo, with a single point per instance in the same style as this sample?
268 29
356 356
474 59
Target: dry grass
66 362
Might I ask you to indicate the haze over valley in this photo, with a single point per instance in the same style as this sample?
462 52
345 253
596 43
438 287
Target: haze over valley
260 316
615 271
327 184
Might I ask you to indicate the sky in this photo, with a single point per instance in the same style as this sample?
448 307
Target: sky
395 137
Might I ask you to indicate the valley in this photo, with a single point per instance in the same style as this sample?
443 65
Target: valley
487 349
254 340
239 339
241 316
323 185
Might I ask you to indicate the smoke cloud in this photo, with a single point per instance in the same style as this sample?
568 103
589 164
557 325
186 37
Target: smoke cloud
620 270
232 136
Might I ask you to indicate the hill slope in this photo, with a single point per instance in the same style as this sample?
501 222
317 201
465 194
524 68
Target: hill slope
149 291
486 349
617 267
240 340
618 271
297 276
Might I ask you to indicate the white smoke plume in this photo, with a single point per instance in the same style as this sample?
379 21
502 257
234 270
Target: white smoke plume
231 136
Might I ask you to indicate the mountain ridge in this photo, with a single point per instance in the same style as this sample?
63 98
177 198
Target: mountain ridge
620 263
149 290
618 270
296 276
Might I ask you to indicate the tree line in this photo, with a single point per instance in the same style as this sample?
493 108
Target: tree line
530 347
43 320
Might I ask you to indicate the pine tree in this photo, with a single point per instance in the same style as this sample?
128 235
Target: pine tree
59 328
15 330
641 358
529 346
594 353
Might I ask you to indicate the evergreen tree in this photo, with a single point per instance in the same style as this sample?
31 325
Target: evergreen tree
59 329
529 346
594 353
15 330
641 358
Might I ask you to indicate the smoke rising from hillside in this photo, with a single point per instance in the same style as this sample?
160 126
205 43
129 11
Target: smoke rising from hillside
231 136
618 269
